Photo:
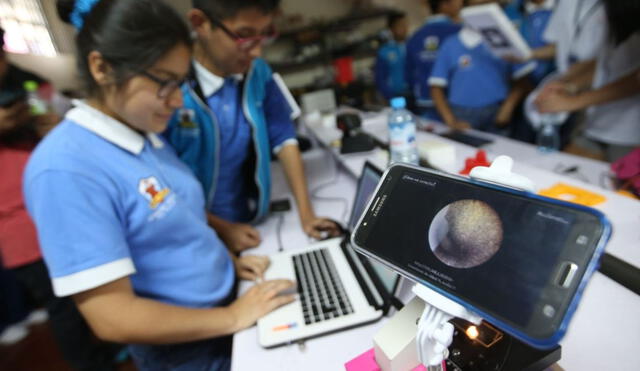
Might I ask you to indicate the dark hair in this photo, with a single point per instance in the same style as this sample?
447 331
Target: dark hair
225 9
394 17
131 35
435 5
622 16
1 38
65 7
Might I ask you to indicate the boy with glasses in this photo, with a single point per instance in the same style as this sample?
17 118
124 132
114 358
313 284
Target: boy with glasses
235 116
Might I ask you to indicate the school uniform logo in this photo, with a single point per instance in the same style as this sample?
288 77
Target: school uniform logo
392 57
464 61
151 189
431 43
187 118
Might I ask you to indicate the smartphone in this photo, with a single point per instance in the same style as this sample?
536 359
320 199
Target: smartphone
519 260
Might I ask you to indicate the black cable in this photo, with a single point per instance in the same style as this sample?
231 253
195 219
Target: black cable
279 231
620 271
568 170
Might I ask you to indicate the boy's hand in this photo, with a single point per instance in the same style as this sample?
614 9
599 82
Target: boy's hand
503 117
459 125
251 267
239 237
260 300
515 59
320 228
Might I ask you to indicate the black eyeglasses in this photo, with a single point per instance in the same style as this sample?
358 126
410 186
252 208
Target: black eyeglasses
247 43
167 86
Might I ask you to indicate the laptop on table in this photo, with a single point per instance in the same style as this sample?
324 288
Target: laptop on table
337 288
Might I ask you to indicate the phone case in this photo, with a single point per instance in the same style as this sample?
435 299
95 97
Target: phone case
590 268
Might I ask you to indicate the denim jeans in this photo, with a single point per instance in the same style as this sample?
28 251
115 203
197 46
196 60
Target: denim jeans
206 355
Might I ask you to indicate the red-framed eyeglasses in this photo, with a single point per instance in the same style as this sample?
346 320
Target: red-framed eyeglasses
248 43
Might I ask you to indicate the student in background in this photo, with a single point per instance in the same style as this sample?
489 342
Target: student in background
389 67
120 219
537 14
238 114
422 50
608 86
575 33
514 11
20 131
472 88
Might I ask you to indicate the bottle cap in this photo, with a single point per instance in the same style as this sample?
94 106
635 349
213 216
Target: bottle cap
30 86
398 102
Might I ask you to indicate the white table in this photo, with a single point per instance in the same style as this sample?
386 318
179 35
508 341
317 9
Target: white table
604 333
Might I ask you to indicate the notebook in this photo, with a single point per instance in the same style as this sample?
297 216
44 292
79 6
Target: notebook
337 288
499 33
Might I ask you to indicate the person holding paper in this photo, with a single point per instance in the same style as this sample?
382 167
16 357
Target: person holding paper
537 14
472 88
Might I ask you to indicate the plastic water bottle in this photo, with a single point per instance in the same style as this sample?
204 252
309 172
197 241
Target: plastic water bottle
548 138
402 133
37 105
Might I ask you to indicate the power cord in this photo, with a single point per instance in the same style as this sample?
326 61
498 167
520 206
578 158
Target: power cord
334 179
279 230
279 207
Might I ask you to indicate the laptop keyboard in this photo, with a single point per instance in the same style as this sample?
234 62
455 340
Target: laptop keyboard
321 292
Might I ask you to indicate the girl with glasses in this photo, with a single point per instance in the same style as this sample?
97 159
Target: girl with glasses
120 218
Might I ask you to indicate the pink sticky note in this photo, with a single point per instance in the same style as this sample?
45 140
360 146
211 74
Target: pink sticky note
367 362
364 362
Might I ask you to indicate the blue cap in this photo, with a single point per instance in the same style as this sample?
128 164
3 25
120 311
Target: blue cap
398 102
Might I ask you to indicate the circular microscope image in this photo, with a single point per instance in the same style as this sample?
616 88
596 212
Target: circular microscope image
465 233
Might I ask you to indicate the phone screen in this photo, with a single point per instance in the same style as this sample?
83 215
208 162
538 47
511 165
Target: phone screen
499 251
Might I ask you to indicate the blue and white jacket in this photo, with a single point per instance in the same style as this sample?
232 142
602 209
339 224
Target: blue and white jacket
268 107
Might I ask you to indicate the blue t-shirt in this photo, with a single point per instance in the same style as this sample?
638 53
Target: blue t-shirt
533 26
513 11
230 127
230 201
109 203
422 51
473 75
389 70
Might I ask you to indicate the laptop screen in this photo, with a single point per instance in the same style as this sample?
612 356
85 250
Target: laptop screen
366 185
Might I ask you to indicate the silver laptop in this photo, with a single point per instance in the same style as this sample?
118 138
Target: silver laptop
337 288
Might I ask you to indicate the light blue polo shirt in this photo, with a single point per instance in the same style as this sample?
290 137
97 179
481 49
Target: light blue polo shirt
109 202
474 76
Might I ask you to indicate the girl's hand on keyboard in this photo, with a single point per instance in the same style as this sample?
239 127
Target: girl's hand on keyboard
259 300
